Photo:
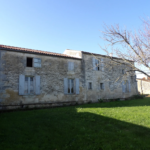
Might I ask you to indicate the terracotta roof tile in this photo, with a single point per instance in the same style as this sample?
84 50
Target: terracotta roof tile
20 49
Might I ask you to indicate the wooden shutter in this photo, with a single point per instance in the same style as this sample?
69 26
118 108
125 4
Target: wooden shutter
123 87
93 61
37 85
69 66
102 64
37 62
65 85
129 85
103 86
77 85
21 84
72 66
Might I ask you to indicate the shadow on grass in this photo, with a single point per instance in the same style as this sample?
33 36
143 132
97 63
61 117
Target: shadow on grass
66 129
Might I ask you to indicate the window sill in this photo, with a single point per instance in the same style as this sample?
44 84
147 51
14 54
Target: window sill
71 72
29 95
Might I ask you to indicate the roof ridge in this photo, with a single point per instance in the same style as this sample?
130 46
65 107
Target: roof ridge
21 49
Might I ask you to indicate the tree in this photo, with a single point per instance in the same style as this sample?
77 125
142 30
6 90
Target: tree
133 50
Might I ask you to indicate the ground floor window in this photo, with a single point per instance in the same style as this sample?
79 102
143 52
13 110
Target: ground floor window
28 86
70 86
90 85
102 86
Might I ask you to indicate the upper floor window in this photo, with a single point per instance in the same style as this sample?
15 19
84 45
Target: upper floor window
98 64
29 62
33 62
123 71
70 66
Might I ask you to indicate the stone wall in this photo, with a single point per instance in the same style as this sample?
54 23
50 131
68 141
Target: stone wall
112 88
143 87
52 74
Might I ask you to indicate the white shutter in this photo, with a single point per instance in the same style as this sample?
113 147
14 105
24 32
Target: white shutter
37 62
129 86
37 85
123 87
77 85
102 64
65 86
21 84
93 61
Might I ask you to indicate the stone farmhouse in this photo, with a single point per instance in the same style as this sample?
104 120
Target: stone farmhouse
34 76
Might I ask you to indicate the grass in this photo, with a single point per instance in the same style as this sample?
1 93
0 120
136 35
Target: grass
121 125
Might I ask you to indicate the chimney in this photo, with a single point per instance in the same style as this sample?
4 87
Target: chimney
111 54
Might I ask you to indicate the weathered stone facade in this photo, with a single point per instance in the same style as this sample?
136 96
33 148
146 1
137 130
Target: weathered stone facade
52 73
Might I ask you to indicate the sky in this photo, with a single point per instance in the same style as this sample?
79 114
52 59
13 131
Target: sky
56 25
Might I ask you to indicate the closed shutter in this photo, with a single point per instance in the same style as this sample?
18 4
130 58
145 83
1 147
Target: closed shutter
102 64
37 62
21 84
103 86
37 85
72 66
69 66
129 86
77 85
65 86
123 87
93 61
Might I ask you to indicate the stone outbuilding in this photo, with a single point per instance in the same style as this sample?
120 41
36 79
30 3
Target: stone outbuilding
143 85
33 76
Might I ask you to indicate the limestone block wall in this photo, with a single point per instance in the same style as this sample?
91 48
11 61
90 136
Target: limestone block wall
52 72
112 88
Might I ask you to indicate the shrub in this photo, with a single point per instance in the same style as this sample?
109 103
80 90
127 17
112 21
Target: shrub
100 100
137 96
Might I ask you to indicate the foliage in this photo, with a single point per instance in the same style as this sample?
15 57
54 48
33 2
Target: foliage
121 125
138 96
129 47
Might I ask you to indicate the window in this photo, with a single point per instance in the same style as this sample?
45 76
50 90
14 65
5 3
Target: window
97 64
29 62
102 86
133 79
70 66
28 85
33 62
70 86
126 87
90 85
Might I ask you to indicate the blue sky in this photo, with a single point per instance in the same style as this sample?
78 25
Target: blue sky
56 25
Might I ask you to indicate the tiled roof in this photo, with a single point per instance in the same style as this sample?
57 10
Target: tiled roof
104 55
26 50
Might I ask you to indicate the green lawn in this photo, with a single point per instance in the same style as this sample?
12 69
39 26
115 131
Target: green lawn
101 126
